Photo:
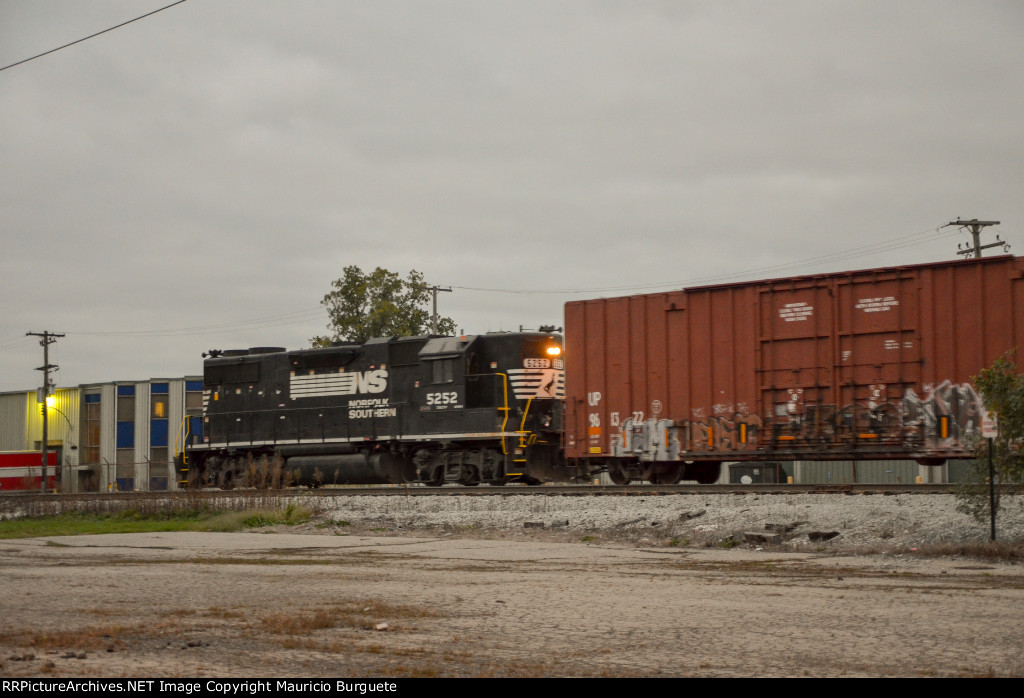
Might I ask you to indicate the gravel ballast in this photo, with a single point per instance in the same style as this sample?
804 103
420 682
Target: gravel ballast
903 520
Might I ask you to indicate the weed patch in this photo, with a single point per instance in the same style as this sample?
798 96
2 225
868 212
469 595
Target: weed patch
223 613
91 638
354 614
76 523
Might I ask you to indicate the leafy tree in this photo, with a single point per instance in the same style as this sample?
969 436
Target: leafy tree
1002 390
378 304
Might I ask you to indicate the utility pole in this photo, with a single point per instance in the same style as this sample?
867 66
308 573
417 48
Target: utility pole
48 338
975 226
433 318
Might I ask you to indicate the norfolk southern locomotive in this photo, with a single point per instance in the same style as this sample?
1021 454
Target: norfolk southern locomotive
471 409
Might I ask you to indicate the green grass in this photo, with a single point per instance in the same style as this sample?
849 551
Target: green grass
133 521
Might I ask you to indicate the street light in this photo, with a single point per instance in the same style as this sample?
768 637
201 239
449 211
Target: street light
51 404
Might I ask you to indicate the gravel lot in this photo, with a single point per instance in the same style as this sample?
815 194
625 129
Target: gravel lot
474 586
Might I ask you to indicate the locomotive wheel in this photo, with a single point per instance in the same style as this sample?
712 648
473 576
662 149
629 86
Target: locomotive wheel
618 475
468 476
438 478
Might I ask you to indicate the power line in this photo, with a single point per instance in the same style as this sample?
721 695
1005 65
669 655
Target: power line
91 36
14 342
843 255
301 316
289 318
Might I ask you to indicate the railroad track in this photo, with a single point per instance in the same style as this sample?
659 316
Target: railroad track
36 504
21 501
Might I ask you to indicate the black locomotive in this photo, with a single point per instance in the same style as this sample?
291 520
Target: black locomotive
471 409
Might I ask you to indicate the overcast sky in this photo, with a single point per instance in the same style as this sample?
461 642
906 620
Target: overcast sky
196 179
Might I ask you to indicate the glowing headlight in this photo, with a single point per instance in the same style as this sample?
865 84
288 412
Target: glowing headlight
554 351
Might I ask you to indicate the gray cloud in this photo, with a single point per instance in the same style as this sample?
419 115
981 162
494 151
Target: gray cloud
220 163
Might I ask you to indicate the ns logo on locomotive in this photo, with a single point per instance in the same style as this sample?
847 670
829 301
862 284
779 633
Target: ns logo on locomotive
470 409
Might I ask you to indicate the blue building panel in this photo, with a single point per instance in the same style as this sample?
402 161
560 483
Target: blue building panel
126 434
193 385
158 432
159 388
125 390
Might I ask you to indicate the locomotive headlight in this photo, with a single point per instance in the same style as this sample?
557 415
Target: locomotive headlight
554 351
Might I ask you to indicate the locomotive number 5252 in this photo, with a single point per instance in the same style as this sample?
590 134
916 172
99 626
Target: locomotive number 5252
448 398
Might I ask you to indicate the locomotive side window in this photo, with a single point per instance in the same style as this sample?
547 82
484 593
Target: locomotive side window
443 371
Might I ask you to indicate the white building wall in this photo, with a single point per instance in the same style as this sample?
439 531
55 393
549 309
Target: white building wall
108 436
176 409
142 407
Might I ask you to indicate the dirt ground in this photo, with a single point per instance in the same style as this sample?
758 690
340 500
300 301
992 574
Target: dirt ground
280 604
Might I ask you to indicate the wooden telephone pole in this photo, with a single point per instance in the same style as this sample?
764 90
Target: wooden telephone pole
975 227
433 318
48 338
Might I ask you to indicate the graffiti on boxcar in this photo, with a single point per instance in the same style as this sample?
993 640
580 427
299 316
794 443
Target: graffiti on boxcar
649 440
724 433
875 419
667 439
957 401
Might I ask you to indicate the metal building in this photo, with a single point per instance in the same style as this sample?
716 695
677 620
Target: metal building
21 429
108 436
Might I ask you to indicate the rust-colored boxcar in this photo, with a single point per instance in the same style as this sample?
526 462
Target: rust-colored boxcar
856 365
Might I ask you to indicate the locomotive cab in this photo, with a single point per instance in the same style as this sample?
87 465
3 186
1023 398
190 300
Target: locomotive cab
506 390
